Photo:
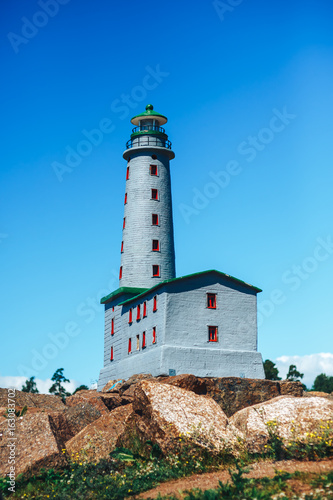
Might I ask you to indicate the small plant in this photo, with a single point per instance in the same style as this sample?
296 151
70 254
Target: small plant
18 413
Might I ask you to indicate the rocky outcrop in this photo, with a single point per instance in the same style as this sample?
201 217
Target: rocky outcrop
98 439
35 445
72 420
288 416
103 402
30 400
166 415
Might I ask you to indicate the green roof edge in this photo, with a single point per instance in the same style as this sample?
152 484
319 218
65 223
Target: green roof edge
149 113
147 290
120 291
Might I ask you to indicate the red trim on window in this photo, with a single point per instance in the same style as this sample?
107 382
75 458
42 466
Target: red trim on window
129 345
127 173
211 300
112 326
138 312
121 272
143 340
154 219
122 247
124 222
153 169
212 333
111 354
144 309
113 309
125 200
156 246
156 271
154 194
155 304
154 335
130 316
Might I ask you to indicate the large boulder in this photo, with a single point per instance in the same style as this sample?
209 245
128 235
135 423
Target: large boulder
103 402
72 420
35 444
287 416
189 382
166 415
98 439
30 400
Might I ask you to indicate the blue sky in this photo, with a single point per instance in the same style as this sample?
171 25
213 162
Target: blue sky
247 87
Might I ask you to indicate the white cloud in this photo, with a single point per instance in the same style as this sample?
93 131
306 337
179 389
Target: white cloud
42 385
310 364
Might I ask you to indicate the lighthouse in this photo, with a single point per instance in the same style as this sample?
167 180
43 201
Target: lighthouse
147 247
204 323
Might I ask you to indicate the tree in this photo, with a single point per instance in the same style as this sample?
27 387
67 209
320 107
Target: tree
57 389
323 383
30 386
81 388
293 375
271 372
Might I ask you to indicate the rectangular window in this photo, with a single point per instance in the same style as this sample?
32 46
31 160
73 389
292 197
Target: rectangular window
153 169
125 200
154 219
112 326
212 333
155 304
124 222
156 246
144 309
121 272
156 271
154 194
211 300
138 342
143 340
122 247
127 173
154 335
130 316
111 354
138 313
129 345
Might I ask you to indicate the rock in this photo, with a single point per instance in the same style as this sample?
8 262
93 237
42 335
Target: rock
189 382
112 385
99 439
318 394
132 382
294 417
36 445
165 414
45 401
72 420
291 388
103 402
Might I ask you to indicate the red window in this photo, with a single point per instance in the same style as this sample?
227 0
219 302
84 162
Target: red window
156 271
154 335
113 309
125 201
155 303
154 194
127 173
124 222
112 326
153 169
154 219
138 313
156 246
130 316
211 300
121 272
122 247
129 345
111 354
144 309
212 333
143 340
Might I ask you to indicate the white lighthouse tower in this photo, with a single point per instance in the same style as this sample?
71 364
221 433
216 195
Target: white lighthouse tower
147 247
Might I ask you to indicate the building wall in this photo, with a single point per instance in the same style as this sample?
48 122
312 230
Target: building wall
138 258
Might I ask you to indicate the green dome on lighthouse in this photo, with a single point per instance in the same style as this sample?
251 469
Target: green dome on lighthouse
149 114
